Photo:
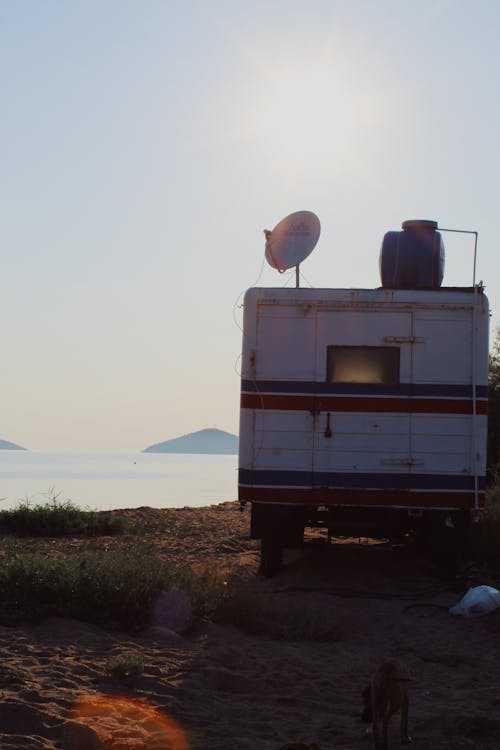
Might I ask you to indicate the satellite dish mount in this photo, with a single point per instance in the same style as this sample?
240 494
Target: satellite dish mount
291 241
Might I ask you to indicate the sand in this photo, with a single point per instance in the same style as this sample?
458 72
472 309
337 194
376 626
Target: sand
219 688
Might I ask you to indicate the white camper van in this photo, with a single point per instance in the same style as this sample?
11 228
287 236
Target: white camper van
364 410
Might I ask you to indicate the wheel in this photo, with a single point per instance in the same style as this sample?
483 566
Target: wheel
271 555
447 542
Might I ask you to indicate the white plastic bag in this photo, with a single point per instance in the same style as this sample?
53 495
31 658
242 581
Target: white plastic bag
477 601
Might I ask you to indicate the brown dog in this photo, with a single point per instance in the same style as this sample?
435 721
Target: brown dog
383 697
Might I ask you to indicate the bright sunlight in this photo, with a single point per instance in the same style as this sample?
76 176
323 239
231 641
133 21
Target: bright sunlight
309 114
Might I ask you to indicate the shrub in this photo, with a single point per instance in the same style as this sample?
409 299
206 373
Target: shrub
115 588
277 615
485 535
127 664
59 518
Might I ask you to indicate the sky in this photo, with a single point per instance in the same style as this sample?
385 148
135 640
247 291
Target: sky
144 147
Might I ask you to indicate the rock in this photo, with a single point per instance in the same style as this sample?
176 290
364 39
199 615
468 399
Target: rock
162 633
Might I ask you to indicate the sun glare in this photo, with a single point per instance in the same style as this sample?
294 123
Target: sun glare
123 722
310 114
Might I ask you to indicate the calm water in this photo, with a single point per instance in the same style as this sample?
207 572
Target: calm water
103 481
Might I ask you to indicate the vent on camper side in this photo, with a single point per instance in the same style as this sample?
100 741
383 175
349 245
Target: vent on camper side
413 258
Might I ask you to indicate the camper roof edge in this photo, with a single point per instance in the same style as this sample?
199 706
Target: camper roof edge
444 296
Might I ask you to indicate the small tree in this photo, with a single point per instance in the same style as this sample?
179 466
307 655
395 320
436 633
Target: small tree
494 405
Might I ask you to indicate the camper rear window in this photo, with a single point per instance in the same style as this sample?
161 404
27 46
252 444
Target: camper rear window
362 364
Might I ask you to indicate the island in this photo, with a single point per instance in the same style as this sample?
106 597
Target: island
203 441
5 445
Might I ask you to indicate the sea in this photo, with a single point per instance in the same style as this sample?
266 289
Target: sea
108 481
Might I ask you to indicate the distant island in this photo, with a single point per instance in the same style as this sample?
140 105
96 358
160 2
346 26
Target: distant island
203 441
5 445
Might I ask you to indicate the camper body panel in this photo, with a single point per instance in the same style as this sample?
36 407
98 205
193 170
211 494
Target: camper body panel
364 398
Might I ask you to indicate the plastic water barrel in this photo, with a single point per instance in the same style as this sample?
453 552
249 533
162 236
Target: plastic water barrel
414 257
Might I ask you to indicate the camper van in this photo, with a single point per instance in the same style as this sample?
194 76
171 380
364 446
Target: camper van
365 410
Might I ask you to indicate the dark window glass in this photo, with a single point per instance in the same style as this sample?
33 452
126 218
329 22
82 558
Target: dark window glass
362 364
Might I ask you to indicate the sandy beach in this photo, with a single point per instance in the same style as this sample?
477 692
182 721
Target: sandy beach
217 687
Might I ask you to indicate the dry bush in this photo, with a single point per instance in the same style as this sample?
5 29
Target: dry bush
485 534
280 616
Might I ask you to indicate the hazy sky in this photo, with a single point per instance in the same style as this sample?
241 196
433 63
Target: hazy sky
146 144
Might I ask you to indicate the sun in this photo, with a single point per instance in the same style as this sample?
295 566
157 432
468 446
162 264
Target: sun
309 113
309 110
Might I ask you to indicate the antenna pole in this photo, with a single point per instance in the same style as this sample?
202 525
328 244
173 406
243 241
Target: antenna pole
474 342
466 231
297 280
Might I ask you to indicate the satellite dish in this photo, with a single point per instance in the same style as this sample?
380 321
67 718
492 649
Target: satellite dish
292 240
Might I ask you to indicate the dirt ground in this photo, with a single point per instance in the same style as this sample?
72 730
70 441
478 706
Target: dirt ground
217 688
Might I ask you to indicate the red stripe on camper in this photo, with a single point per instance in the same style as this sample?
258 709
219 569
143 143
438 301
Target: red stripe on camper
360 497
408 405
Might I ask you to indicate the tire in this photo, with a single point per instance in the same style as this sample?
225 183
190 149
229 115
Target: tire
447 544
271 556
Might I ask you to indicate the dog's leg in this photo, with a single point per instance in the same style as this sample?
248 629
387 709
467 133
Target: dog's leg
385 726
405 737
379 739
375 733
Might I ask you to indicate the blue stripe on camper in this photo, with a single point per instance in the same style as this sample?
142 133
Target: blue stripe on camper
277 478
310 387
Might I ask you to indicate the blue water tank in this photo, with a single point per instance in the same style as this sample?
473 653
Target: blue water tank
413 258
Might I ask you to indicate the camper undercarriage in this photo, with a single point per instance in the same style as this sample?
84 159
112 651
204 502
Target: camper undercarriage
442 533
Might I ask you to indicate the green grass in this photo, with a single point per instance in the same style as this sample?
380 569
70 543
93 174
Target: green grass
117 588
125 665
59 518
